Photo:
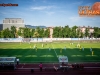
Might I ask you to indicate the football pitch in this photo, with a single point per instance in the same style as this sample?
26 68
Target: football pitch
50 51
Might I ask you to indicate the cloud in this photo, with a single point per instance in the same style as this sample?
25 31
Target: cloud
12 13
49 13
3 13
44 1
42 7
88 4
74 18
78 3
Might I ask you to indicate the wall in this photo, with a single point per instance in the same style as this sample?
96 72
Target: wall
44 39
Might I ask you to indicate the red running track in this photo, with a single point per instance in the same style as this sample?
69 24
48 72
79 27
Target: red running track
25 69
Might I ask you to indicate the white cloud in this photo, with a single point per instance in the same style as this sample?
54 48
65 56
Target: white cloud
78 3
50 13
42 7
3 13
88 4
13 13
44 1
74 18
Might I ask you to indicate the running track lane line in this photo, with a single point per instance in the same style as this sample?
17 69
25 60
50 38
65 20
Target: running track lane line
52 67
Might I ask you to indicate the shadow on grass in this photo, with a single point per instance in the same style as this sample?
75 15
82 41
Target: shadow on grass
30 55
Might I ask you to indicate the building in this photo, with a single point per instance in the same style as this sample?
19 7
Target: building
91 30
51 32
83 28
1 27
17 22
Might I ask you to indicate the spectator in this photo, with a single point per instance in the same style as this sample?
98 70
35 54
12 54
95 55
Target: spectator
82 66
62 63
40 66
55 68
77 66
32 70
91 49
17 61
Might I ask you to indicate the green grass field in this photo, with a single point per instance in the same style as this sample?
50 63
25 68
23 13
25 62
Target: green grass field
27 54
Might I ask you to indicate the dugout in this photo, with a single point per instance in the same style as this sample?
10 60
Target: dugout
63 61
7 62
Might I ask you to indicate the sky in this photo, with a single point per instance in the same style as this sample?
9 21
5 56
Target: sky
49 13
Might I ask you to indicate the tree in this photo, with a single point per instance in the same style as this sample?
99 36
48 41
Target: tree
0 34
74 34
63 32
96 32
38 30
67 31
60 32
32 32
71 33
82 35
47 33
55 32
78 32
13 31
36 34
41 33
6 33
20 32
27 33
87 32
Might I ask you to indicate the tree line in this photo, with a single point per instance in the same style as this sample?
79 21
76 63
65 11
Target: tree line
75 32
58 32
24 32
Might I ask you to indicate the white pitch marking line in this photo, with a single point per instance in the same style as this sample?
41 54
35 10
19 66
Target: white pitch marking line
55 52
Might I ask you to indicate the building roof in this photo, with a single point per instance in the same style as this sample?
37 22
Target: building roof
85 27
